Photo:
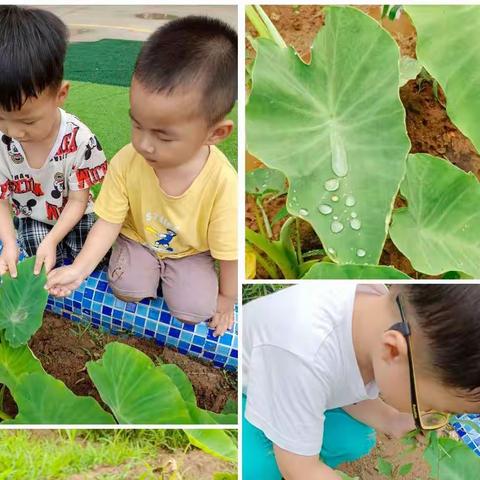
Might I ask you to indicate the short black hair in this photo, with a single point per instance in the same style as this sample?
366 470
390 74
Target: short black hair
33 44
448 316
193 51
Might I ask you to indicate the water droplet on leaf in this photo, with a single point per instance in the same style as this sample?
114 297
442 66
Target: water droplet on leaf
331 251
332 185
361 252
350 201
334 198
325 209
303 212
354 215
339 154
336 227
355 223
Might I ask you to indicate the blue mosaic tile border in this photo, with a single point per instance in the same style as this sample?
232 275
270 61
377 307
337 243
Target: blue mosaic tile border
93 302
466 432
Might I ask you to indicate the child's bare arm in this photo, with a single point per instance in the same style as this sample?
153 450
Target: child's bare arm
9 256
382 417
227 296
299 467
103 234
70 216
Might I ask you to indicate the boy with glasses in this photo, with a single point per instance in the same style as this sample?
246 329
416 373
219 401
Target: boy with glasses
326 364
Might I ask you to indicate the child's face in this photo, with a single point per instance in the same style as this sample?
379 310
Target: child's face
392 374
37 118
169 130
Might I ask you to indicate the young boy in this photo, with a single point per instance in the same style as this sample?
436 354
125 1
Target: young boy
48 158
171 194
325 364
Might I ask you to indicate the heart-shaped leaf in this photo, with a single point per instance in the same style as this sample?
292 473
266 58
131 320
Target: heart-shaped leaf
22 303
135 389
336 129
41 399
214 442
439 230
448 37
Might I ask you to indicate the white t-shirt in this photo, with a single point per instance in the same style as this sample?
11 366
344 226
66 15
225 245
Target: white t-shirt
76 162
299 360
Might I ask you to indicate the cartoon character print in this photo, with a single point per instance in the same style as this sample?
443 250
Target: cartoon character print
25 210
13 151
58 185
162 243
92 143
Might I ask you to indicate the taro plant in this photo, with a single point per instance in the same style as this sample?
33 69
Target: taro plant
336 128
135 390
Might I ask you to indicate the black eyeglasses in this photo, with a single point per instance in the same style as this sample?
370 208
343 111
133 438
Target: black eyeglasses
424 420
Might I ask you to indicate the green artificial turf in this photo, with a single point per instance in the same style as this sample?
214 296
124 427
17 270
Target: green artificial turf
100 74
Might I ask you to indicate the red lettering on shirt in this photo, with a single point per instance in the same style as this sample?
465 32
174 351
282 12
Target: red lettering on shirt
25 185
68 143
4 190
86 177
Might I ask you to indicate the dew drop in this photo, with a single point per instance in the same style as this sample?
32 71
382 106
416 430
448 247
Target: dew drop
350 201
325 209
334 198
335 217
331 185
354 215
331 251
361 252
303 212
339 154
336 226
355 223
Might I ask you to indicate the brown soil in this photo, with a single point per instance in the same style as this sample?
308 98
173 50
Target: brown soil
64 347
429 128
193 465
393 451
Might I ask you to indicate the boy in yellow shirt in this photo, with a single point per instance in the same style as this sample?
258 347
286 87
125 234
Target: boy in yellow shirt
169 198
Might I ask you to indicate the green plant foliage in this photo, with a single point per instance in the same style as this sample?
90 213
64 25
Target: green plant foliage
135 389
451 460
447 46
409 69
333 271
262 181
22 302
14 362
384 467
225 476
214 442
323 124
405 469
41 399
439 230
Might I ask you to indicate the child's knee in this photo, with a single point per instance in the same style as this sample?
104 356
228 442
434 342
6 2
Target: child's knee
191 308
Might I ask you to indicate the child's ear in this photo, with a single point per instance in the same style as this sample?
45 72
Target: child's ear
62 93
220 131
394 347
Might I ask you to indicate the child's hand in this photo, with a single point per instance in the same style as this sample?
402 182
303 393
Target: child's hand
8 260
223 318
62 281
46 254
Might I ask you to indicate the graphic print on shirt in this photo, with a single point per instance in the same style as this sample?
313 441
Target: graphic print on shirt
53 212
163 240
24 183
58 185
25 210
13 151
68 144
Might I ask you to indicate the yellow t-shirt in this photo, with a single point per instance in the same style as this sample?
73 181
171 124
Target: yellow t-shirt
203 218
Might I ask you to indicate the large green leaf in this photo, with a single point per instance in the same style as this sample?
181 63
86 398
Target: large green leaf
339 120
135 389
41 399
448 39
22 302
200 416
332 270
451 460
439 231
14 362
214 442
261 181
